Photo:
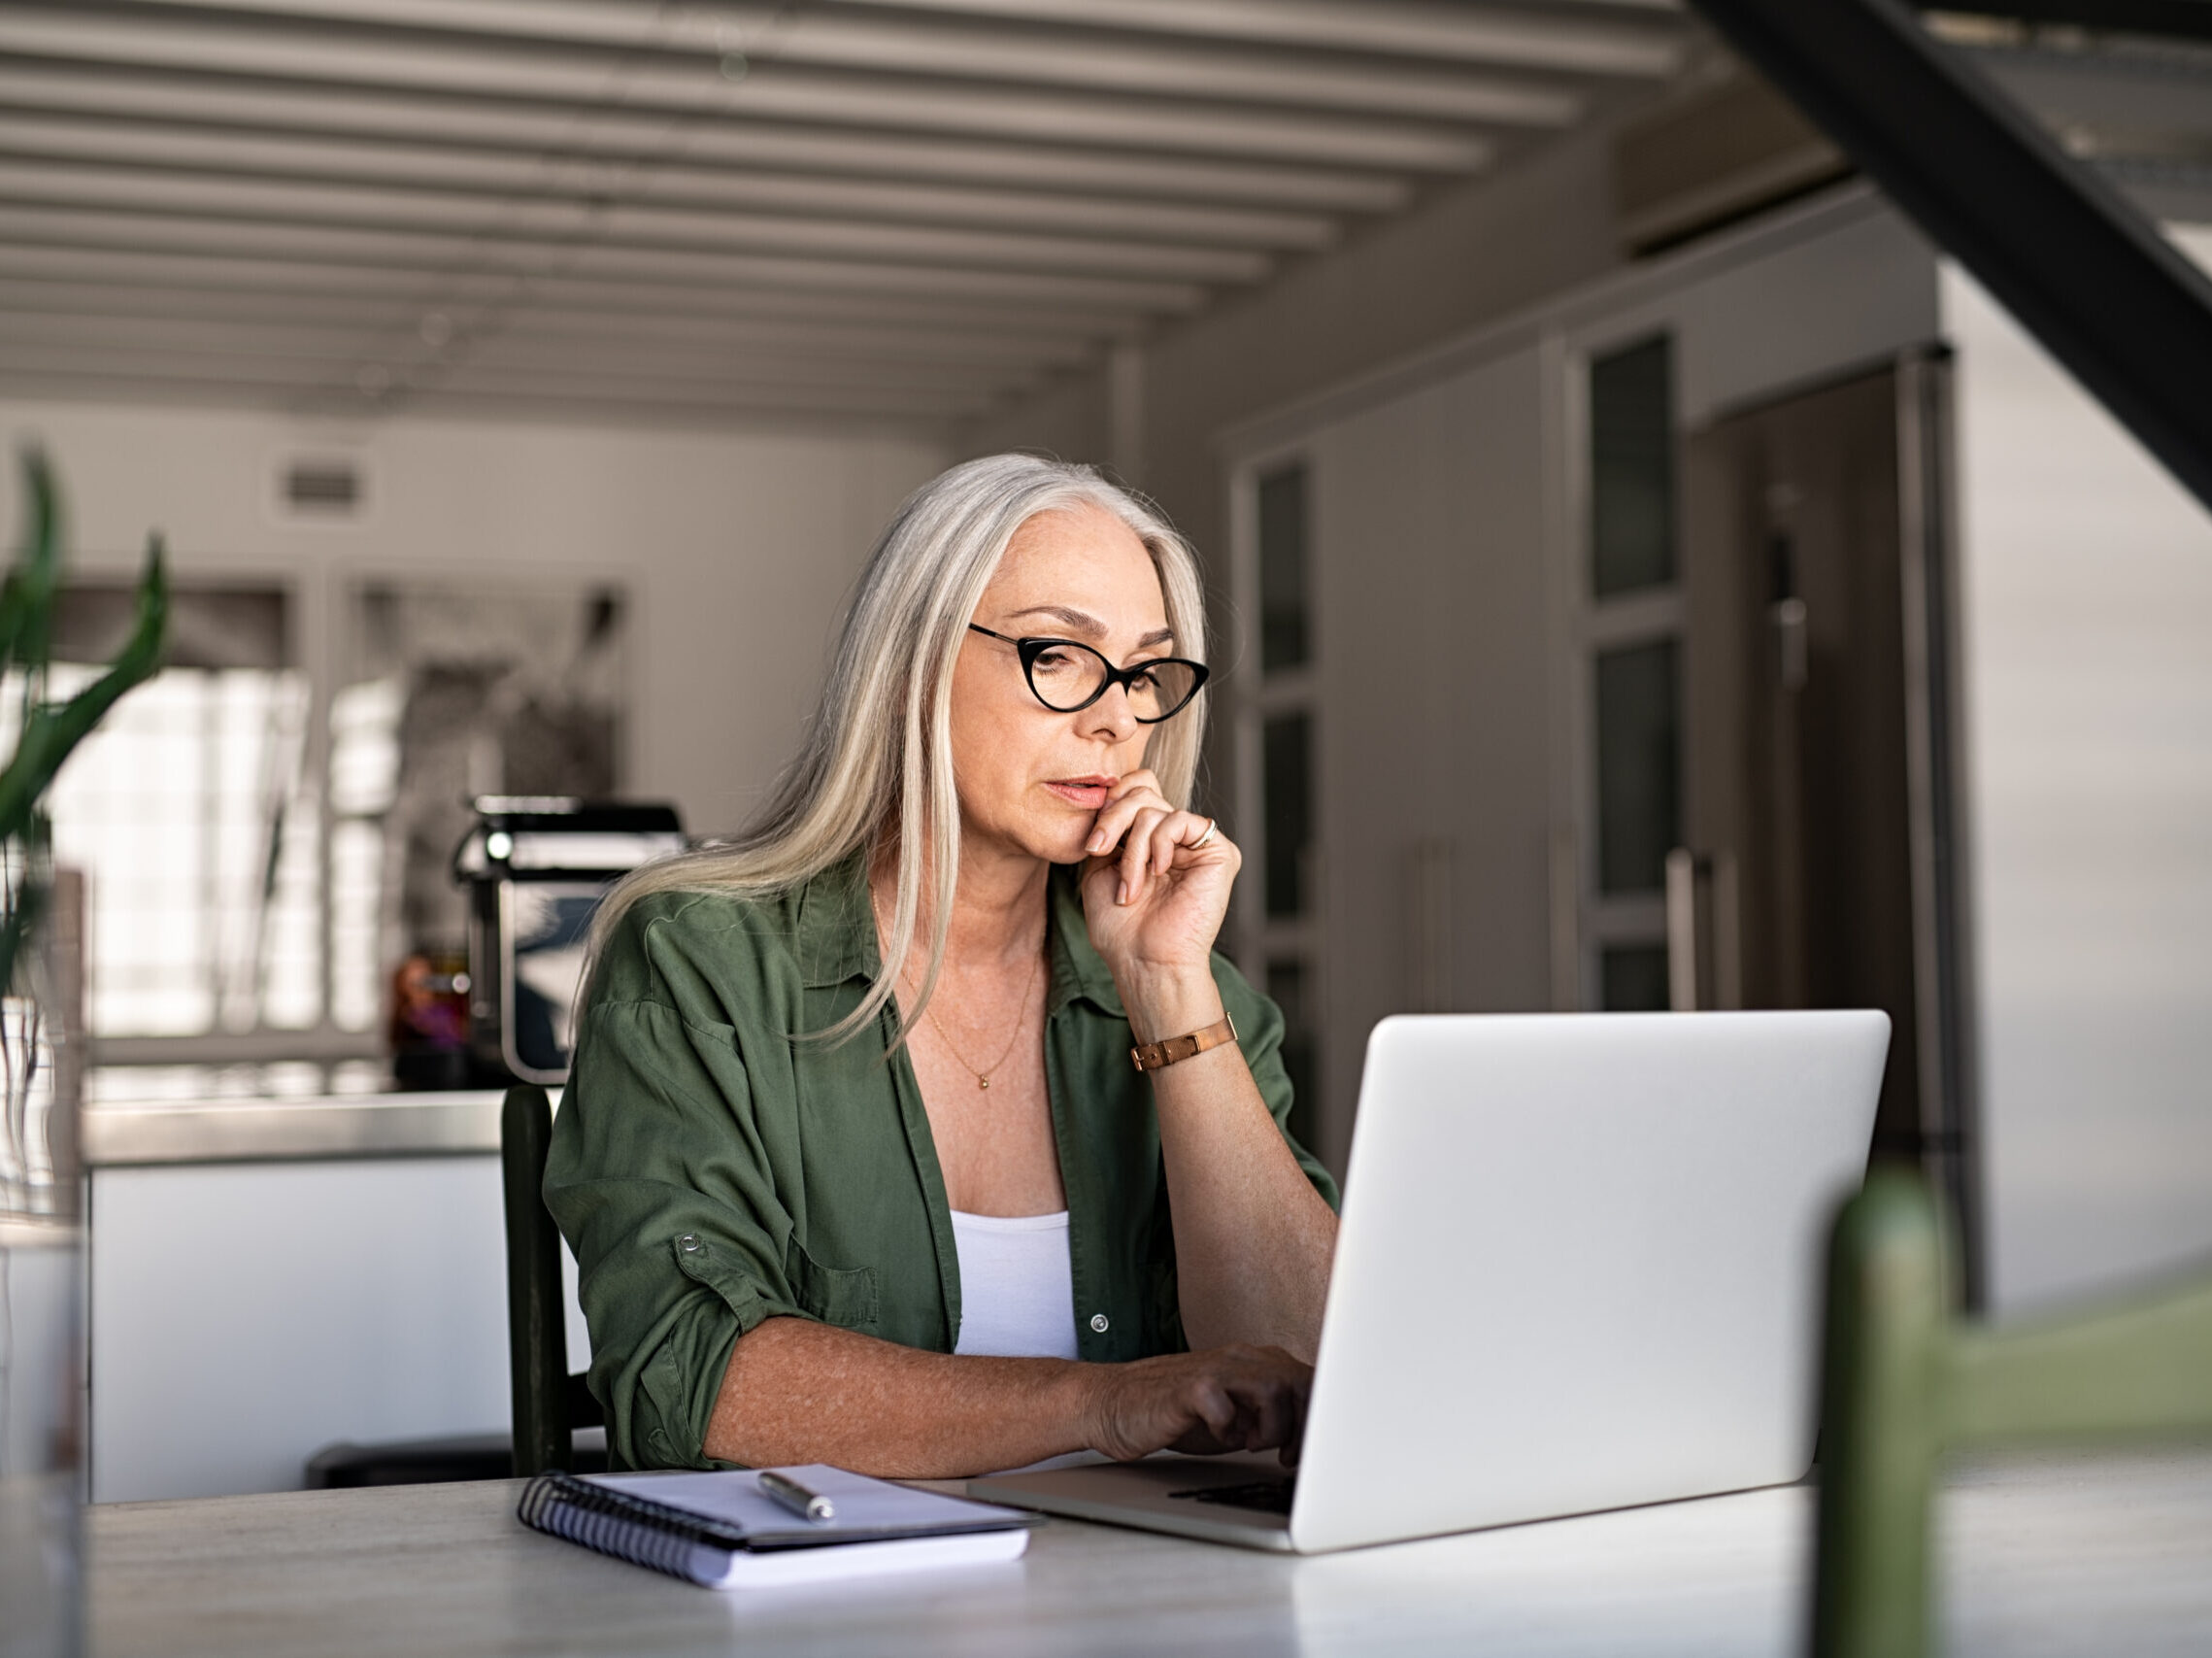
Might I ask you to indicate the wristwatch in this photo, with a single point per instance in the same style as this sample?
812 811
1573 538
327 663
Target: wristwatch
1151 1055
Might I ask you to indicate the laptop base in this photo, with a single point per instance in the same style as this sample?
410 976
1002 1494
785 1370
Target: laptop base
1159 1494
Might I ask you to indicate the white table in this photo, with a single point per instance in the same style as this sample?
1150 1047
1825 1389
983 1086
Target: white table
2054 1554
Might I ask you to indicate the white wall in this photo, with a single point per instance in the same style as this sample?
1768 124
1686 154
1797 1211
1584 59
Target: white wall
2087 639
737 546
1431 724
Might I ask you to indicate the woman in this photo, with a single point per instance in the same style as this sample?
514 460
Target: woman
860 1160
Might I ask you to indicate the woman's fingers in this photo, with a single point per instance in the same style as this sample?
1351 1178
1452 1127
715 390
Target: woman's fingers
1136 850
1270 1423
1226 1399
1149 831
1216 1409
1124 801
1134 782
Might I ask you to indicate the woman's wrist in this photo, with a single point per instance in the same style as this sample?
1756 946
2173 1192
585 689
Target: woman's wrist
1093 1386
1169 1001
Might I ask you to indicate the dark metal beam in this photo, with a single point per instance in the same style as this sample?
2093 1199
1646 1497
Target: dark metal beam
2108 297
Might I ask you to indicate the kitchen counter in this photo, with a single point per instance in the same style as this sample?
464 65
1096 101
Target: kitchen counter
137 1116
283 1257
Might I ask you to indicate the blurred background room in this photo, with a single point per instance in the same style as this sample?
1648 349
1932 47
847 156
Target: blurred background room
1649 570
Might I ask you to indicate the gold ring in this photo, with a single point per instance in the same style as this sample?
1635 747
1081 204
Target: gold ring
1211 825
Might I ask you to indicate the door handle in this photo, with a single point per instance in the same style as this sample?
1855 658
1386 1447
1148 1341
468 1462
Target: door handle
1703 920
1793 648
1682 930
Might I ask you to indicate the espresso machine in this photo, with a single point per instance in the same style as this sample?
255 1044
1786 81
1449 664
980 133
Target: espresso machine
535 868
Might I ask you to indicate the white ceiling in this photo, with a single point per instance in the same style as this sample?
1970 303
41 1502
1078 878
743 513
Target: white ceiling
904 210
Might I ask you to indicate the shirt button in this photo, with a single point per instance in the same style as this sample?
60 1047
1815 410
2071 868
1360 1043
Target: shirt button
1098 1322
688 1245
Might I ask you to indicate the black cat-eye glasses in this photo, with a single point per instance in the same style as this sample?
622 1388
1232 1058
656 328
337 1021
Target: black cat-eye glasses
1067 676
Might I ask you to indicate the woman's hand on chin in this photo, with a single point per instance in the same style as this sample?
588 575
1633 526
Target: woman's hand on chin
1224 1399
1155 899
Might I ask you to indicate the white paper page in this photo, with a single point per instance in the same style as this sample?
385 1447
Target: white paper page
733 1495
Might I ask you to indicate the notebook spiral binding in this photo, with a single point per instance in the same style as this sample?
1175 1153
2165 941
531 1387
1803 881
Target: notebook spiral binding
635 1528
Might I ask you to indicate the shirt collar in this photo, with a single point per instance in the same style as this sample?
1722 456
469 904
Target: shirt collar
1078 969
834 934
835 937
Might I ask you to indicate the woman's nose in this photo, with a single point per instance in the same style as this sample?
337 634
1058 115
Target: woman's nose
1110 716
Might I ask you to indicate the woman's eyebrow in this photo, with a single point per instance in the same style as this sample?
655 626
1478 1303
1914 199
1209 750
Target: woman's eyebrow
1088 626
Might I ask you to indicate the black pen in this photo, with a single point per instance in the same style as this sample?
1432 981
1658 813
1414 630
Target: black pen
807 1505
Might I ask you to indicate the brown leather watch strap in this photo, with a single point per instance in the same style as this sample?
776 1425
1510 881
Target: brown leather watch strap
1151 1055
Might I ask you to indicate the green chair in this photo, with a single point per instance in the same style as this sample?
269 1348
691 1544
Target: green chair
1902 1381
549 1404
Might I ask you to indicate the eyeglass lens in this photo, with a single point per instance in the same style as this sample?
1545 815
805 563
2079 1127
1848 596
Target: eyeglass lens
1067 676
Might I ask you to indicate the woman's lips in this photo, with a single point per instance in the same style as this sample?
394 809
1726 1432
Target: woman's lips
1089 793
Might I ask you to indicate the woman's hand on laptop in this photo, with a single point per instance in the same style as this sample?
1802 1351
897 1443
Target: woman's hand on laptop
1235 1397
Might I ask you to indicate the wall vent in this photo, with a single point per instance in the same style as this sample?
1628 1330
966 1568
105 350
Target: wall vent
321 487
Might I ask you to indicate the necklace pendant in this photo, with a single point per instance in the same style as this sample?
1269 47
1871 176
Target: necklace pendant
983 1082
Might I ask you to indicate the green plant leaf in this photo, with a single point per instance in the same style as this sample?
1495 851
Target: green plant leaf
51 732
26 598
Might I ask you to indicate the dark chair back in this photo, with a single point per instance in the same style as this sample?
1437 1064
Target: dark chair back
537 1340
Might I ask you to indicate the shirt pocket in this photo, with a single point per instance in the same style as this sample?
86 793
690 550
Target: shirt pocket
843 1295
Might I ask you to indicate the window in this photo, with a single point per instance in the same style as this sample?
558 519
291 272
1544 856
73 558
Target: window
1283 633
189 812
1279 912
1631 469
1286 785
250 890
1639 744
1631 621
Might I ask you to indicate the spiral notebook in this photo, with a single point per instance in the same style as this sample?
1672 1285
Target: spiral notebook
719 1530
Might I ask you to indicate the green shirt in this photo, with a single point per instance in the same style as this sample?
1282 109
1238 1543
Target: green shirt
710 1171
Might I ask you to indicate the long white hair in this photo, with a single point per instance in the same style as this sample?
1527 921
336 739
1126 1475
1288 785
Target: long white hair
875 772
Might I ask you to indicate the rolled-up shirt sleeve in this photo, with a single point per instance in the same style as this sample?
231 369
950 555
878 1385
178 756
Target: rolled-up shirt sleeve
1260 1029
659 1182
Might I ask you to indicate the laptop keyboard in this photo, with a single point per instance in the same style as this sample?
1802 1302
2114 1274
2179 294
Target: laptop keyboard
1265 1496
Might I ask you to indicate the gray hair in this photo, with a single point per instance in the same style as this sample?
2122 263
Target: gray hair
877 759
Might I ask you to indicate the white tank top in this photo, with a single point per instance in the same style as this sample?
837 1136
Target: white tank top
1016 1291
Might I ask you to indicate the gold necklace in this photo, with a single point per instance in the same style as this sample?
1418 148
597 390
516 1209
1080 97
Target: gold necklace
983 1077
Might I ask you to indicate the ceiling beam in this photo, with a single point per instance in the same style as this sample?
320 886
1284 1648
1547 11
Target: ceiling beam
932 45
490 217
341 351
825 97
432 286
524 258
194 379
1555 39
221 101
101 303
338 370
395 163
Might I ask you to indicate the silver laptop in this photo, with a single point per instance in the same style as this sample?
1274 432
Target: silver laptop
1579 1268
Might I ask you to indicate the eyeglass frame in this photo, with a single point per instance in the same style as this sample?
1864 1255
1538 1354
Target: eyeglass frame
1030 649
